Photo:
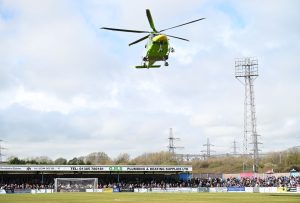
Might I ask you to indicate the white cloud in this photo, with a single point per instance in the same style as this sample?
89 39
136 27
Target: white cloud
184 56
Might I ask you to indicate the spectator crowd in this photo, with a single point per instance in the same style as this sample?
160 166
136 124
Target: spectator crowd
271 181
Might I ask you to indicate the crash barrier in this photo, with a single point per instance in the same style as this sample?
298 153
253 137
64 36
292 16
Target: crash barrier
169 190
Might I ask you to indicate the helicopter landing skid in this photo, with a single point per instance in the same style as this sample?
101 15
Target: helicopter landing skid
155 66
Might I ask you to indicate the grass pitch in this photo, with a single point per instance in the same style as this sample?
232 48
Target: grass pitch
149 197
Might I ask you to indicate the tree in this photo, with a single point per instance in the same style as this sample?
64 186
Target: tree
156 158
122 159
44 160
80 161
73 161
96 158
60 161
16 160
32 161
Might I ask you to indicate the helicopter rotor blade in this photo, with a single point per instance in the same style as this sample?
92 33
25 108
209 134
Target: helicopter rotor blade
139 40
150 20
178 37
124 30
182 24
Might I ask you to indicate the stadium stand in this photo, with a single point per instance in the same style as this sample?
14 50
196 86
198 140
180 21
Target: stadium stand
128 178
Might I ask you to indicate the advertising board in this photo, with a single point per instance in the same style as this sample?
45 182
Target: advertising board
281 189
220 189
107 190
116 189
268 189
235 189
115 168
39 191
203 189
142 190
248 189
126 190
292 189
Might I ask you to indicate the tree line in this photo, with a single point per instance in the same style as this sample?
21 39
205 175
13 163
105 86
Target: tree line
100 158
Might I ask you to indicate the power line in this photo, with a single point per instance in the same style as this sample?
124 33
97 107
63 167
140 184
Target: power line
234 148
1 148
208 149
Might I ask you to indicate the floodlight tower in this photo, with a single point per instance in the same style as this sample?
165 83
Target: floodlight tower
171 142
246 71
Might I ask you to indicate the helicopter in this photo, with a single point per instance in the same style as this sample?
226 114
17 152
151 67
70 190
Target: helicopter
157 47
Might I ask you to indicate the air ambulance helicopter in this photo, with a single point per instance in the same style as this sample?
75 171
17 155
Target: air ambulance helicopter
157 47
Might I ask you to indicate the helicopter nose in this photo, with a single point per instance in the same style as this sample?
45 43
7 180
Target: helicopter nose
160 38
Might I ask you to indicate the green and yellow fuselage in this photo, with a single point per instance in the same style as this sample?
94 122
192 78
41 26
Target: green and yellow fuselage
157 49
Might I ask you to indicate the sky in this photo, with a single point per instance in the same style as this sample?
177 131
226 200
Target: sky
68 88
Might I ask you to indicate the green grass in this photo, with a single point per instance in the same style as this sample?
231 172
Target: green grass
150 197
